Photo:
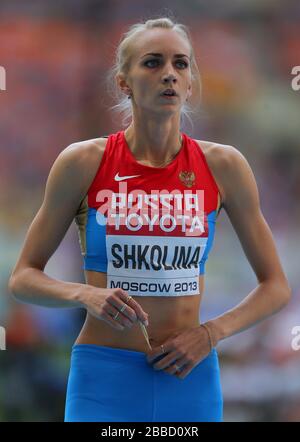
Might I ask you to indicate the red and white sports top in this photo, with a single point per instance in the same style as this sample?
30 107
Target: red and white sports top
150 229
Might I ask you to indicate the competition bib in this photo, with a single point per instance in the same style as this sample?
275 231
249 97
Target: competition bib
154 242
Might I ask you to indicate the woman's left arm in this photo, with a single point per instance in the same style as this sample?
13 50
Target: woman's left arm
240 200
242 205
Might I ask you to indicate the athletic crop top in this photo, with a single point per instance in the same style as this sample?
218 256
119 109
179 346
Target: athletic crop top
150 229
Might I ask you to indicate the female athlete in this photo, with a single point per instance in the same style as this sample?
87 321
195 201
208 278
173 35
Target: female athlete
145 201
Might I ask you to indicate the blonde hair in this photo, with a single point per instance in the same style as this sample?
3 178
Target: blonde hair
122 65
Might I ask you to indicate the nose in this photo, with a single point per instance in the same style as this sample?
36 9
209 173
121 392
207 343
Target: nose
168 78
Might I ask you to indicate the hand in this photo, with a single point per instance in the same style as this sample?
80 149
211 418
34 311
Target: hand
105 304
186 350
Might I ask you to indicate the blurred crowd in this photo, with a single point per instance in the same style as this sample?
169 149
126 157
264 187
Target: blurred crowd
56 60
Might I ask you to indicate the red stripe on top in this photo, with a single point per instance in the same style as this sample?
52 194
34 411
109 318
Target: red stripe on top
118 161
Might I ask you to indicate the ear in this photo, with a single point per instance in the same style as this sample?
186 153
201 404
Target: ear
121 81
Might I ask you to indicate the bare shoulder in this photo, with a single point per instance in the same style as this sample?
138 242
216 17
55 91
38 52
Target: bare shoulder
224 161
82 159
219 155
86 153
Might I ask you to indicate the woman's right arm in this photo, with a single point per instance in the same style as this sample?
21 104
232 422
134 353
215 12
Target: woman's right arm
67 184
69 180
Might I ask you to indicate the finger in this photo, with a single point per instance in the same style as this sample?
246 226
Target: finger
155 353
121 319
143 316
120 304
176 367
167 362
110 321
185 371
162 349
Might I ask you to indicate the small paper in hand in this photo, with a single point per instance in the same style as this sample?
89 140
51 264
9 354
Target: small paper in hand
145 333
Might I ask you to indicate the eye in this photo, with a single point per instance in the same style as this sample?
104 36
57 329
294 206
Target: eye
153 60
185 64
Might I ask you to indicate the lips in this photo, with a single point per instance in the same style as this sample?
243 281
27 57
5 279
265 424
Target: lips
169 93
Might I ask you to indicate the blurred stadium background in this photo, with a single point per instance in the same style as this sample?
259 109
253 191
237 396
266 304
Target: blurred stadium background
56 56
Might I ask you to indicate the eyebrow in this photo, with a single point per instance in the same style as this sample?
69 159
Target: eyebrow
160 55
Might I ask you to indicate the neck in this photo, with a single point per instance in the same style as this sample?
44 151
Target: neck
154 143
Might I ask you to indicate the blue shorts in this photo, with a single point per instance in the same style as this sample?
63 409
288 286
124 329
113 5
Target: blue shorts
109 384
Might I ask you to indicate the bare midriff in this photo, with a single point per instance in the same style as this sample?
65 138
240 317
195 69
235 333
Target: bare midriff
168 315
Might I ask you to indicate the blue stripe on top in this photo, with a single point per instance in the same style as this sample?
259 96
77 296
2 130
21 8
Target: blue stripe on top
211 220
96 258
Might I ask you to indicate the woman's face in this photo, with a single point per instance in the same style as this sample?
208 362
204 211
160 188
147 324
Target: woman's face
160 60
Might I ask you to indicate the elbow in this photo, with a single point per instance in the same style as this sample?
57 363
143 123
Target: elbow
288 294
14 287
285 294
279 293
